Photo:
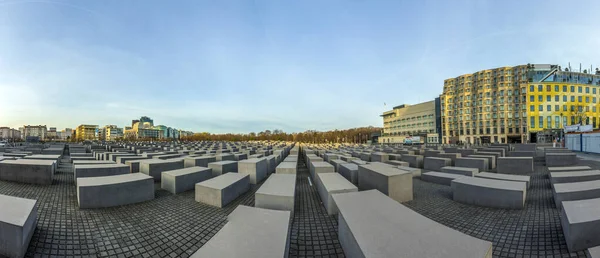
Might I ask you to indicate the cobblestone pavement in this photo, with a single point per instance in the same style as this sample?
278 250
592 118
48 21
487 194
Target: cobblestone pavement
314 233
177 225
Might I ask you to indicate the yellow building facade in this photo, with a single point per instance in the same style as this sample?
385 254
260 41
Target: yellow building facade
517 103
86 132
552 105
410 122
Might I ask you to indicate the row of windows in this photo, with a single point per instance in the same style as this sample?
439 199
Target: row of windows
540 88
417 118
564 108
564 98
556 124
486 131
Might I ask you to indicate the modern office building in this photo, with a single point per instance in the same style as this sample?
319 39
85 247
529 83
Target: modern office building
142 129
86 132
111 133
410 123
51 134
513 104
37 132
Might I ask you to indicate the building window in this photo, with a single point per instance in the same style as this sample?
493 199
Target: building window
540 98
587 99
579 99
556 98
565 88
556 121
548 98
540 88
532 108
549 121
579 89
548 88
548 108
556 88
593 99
556 108
565 98
531 89
594 109
593 90
572 88
532 122
531 98
587 89
541 120
572 98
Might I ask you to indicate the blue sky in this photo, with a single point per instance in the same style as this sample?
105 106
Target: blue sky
247 66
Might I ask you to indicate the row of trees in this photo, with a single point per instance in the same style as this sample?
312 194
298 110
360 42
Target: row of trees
354 135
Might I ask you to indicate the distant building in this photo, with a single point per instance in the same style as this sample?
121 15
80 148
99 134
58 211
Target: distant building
51 133
111 133
9 133
86 132
142 129
66 134
411 124
34 131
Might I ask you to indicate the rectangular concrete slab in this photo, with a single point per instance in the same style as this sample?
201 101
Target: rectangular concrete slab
222 167
574 176
94 170
576 191
17 223
286 168
350 172
184 179
251 233
506 177
276 193
256 168
220 191
439 177
333 183
566 169
154 167
515 165
373 225
489 192
30 171
580 222
109 191
391 181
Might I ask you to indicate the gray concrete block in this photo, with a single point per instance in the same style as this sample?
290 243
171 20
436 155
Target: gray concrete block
276 193
256 168
440 178
271 163
451 156
489 192
576 191
481 164
515 165
436 164
561 159
350 172
574 176
332 183
505 177
525 147
252 233
521 153
398 163
320 167
580 222
336 164
415 161
373 225
286 168
109 191
220 191
379 157
460 171
466 152
94 170
225 157
30 171
184 179
155 167
391 181
222 167
416 172
201 161
18 219
490 158
567 169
